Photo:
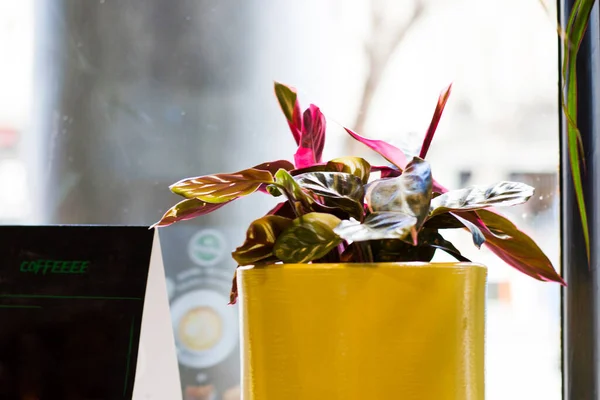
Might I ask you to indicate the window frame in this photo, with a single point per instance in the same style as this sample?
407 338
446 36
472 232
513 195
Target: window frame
580 333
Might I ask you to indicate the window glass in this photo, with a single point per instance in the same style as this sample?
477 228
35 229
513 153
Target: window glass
105 103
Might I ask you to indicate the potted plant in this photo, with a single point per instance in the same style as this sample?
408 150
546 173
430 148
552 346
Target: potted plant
338 295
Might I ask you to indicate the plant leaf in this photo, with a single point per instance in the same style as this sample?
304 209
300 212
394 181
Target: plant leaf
478 236
222 188
310 237
443 221
575 31
432 238
437 114
392 154
378 225
410 193
287 98
319 167
513 246
335 189
386 172
283 209
260 240
476 197
454 221
386 150
233 293
312 141
299 199
274 166
394 250
351 165
273 190
185 210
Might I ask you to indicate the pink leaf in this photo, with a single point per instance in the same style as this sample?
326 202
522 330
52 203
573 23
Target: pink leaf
312 140
386 150
386 172
295 124
437 114
513 246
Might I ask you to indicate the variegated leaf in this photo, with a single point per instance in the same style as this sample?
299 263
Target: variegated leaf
410 193
378 225
352 165
185 210
335 189
477 197
222 188
309 238
260 240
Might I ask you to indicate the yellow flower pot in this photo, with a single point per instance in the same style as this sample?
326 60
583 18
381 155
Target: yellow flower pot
384 331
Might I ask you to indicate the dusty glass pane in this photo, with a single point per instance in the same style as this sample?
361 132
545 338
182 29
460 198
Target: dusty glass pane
105 103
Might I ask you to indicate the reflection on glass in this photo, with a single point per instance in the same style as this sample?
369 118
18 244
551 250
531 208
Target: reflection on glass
106 103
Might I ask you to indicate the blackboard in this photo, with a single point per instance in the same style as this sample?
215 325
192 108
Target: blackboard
71 302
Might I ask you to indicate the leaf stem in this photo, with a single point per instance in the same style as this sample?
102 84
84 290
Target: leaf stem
364 252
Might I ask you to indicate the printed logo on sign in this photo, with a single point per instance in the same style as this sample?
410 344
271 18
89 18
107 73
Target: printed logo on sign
207 248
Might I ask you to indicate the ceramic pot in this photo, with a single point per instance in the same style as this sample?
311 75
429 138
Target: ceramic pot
363 331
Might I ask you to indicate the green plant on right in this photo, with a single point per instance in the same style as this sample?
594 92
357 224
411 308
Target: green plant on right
573 35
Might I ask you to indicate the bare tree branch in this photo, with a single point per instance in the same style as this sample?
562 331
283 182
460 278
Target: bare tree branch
379 48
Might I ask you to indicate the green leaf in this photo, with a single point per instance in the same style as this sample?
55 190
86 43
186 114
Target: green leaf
352 165
576 27
476 197
378 225
410 193
335 189
513 246
309 238
260 240
185 210
274 191
221 188
287 99
298 198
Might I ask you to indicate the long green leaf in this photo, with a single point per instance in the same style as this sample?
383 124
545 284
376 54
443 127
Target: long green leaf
576 27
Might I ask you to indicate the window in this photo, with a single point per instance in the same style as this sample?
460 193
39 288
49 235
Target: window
106 103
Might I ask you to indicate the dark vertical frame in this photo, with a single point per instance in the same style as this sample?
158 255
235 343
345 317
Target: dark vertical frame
580 299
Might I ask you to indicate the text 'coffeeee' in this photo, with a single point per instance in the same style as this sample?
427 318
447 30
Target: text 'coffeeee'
55 267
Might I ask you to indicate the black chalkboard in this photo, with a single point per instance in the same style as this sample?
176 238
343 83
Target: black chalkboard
71 302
